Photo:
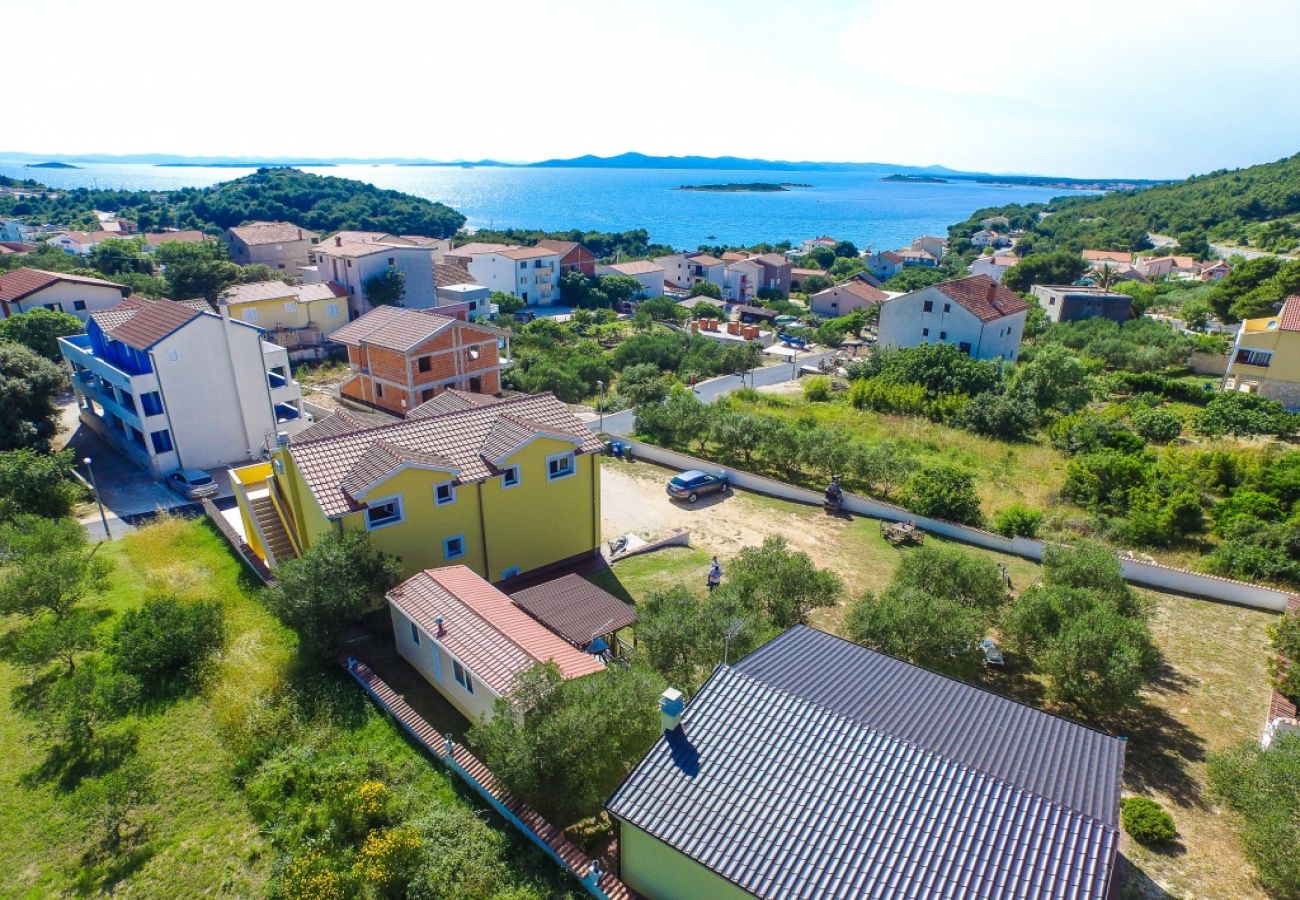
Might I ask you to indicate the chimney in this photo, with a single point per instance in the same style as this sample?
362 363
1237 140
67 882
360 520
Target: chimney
671 707
338 241
300 234
437 621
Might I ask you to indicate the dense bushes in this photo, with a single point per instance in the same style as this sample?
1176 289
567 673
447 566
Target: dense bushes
1139 345
1285 665
166 641
1262 787
37 483
1238 413
1146 821
943 492
1018 520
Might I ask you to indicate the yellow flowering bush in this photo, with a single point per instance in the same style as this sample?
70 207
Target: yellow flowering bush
310 877
387 857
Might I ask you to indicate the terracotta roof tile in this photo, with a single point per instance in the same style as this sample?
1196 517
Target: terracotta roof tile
459 436
278 290
184 237
381 459
495 639
142 323
520 253
20 283
449 273
704 259
1108 256
451 400
344 421
1289 317
477 247
983 297
392 327
636 267
575 609
271 233
858 289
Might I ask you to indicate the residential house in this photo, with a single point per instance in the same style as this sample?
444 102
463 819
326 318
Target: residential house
471 642
993 223
682 270
1071 303
352 264
174 385
1111 257
843 299
505 487
1214 271
781 780
742 280
884 264
14 230
918 258
573 256
11 248
26 289
1166 266
456 289
813 243
935 246
279 245
586 616
1265 358
994 266
649 275
530 273
986 238
80 243
298 317
980 316
402 357
798 276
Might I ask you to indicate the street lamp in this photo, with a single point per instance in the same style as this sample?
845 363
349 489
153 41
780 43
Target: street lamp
600 403
98 500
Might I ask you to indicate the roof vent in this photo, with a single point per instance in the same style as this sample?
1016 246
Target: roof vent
671 706
338 241
282 438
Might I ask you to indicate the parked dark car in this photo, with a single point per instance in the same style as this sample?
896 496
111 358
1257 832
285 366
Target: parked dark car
192 484
694 484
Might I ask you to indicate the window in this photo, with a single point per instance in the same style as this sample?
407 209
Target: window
424 364
392 261
173 356
151 403
1247 357
471 353
289 306
1051 301
523 265
509 573
162 441
943 335
463 677
927 306
444 493
79 305
349 264
947 306
415 635
379 389
510 476
559 466
56 307
332 309
453 547
925 332
250 315
964 347
384 512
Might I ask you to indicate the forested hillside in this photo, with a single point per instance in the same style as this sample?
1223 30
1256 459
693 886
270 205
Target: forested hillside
1259 206
319 202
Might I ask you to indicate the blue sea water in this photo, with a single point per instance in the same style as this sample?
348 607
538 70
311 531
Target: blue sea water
855 206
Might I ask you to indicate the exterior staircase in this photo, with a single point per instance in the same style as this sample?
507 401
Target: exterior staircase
273 530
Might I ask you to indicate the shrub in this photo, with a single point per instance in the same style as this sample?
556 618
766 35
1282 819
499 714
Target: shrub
1244 503
817 389
1018 520
1241 414
37 483
1004 416
943 492
1159 426
1285 665
928 630
1146 821
1263 788
166 639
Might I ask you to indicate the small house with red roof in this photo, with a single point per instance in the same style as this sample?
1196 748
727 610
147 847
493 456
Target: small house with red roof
1265 358
25 289
981 317
471 641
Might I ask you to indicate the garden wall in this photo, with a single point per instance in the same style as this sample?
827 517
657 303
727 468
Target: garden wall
1150 575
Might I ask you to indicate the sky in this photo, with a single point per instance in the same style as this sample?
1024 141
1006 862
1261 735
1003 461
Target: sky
1092 88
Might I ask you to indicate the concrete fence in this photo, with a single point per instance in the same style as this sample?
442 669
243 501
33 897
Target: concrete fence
1149 575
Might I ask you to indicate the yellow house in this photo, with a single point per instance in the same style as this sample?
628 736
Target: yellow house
298 317
1265 359
503 487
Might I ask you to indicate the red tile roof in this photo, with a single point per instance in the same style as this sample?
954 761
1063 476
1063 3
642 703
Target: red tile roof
636 267
704 259
983 297
1108 256
495 639
575 609
449 273
271 233
451 400
397 328
1289 317
461 436
21 283
141 323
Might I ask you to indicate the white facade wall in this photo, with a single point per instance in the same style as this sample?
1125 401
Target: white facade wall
652 283
906 322
433 661
75 299
353 273
836 301
676 271
536 281
741 281
475 296
990 266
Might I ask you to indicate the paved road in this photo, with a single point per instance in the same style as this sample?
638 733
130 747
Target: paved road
621 422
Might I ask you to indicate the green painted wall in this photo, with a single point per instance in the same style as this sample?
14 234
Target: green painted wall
658 872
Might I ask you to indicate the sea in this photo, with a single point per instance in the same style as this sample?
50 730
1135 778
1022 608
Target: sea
854 206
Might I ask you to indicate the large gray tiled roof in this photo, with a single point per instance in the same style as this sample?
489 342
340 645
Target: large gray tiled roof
792 795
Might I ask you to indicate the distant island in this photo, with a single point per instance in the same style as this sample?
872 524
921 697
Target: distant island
916 179
52 165
745 187
241 165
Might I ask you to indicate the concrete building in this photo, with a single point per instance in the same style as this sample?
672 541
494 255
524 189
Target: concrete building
174 385
1070 303
26 289
978 315
987 238
742 280
993 266
648 274
352 264
573 256
1265 358
884 264
279 245
530 273
682 270
401 358
298 317
843 299
935 246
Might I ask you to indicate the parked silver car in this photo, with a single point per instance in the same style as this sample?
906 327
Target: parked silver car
192 484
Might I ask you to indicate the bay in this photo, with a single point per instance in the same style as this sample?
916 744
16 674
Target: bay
855 206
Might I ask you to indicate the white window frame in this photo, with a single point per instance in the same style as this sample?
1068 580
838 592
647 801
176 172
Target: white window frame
464 677
573 465
249 315
509 470
383 501
446 547
451 487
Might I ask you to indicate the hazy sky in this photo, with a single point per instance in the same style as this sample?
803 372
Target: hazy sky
1155 88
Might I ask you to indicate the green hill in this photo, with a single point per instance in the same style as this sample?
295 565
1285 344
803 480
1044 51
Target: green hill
1257 206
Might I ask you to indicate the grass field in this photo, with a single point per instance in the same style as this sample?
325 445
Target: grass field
202 839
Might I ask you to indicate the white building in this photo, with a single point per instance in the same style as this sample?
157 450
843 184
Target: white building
351 264
843 299
530 273
682 270
986 238
993 266
935 246
648 274
742 280
884 264
26 289
174 385
977 314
